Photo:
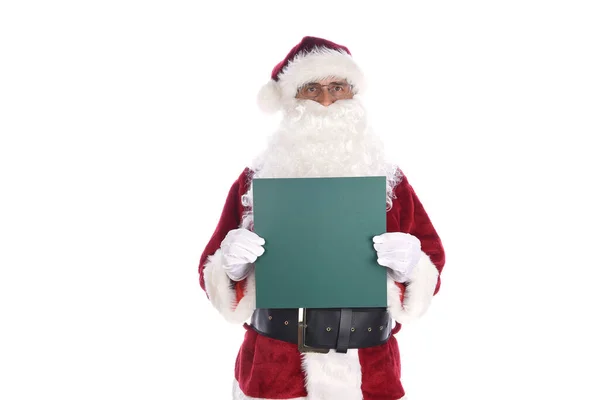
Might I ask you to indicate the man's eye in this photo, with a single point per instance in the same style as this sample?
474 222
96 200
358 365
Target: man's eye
311 89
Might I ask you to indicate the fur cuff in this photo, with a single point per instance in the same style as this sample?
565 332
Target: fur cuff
222 295
414 302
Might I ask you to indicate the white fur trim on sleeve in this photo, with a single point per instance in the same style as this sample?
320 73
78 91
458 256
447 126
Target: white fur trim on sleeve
222 295
418 294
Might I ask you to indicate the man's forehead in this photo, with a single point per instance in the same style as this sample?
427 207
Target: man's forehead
327 80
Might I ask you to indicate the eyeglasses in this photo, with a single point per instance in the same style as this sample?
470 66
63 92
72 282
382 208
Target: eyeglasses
338 90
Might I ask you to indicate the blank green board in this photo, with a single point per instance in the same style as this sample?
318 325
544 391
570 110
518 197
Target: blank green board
319 242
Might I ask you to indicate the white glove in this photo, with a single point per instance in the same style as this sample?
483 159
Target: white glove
239 249
399 252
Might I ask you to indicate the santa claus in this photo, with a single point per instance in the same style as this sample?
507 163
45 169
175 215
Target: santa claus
323 133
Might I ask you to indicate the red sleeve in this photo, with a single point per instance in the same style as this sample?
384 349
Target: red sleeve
231 217
413 219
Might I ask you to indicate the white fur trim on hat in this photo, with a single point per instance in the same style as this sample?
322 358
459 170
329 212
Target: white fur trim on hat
304 68
269 97
319 64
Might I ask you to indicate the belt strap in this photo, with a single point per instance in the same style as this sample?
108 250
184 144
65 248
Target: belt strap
336 329
344 330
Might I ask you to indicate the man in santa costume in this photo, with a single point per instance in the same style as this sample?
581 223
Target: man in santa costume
323 133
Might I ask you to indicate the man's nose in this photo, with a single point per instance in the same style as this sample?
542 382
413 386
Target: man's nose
326 98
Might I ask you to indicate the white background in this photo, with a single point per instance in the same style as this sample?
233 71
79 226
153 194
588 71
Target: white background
123 124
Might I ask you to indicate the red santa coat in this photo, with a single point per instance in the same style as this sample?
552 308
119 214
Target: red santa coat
271 369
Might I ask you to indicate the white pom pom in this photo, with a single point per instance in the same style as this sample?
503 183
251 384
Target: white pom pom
269 97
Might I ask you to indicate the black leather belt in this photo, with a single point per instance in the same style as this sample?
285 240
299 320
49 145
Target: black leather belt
318 330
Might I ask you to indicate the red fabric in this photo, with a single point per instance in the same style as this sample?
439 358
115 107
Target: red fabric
307 44
240 287
230 219
266 368
408 215
402 290
380 367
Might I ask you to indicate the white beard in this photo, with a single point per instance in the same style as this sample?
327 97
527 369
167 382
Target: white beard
315 141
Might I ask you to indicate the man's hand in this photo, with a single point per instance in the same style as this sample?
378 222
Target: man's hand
240 248
400 252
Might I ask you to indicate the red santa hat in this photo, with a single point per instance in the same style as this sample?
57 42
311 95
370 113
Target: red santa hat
310 60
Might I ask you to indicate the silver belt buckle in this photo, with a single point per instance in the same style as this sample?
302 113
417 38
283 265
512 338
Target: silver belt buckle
302 347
